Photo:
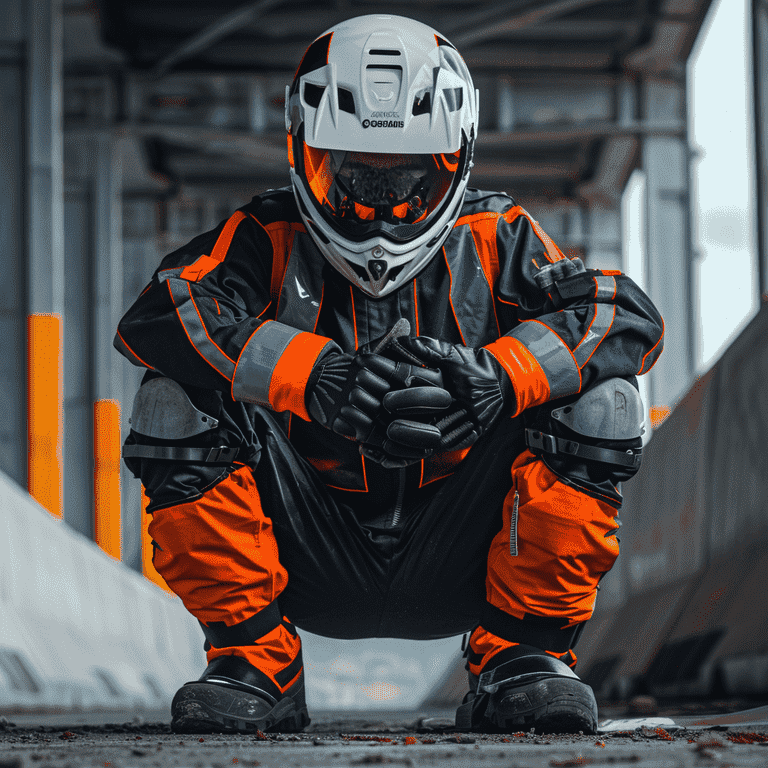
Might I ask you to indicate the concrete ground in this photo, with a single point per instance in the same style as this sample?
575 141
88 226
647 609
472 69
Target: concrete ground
405 739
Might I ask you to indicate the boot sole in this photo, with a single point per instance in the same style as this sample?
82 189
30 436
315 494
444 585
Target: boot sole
552 705
208 708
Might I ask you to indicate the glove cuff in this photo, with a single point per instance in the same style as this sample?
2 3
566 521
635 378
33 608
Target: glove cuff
522 374
275 365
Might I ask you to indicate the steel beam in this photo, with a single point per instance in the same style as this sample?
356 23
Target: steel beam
505 20
228 24
760 84
669 263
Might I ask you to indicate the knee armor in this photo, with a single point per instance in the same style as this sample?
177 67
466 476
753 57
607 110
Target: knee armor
593 440
184 440
162 410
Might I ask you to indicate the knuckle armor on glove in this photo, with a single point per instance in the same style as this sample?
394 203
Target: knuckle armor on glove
363 396
480 388
593 440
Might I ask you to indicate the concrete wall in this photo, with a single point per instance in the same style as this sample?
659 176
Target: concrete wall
684 609
79 630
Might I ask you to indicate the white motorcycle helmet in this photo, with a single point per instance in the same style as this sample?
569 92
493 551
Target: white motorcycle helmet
381 120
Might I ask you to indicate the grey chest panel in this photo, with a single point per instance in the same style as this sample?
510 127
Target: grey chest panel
162 410
302 288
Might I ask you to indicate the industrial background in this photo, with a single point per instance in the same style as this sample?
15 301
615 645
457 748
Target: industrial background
128 127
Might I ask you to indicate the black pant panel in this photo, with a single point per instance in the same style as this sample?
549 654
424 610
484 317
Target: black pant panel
424 579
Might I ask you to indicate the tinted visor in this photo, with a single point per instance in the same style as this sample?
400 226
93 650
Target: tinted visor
366 193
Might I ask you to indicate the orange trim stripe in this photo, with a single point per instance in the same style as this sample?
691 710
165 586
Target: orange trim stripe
641 371
528 378
484 235
473 217
194 304
281 234
416 317
205 264
133 352
552 252
354 314
290 375
184 327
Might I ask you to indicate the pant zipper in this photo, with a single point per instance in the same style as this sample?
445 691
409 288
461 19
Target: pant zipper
398 510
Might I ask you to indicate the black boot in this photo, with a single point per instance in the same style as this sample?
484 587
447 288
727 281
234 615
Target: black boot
523 688
233 696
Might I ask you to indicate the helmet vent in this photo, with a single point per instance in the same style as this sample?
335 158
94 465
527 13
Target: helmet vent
346 101
358 270
422 106
384 52
454 97
313 94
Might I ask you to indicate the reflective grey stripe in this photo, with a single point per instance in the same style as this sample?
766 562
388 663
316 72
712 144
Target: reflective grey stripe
604 314
190 319
606 287
552 355
258 360
167 274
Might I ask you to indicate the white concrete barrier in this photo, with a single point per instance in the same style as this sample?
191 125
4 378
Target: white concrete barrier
79 630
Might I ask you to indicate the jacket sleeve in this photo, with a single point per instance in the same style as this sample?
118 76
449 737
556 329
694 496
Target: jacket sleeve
573 333
207 319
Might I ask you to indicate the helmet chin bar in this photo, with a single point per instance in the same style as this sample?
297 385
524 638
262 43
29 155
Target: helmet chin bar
401 262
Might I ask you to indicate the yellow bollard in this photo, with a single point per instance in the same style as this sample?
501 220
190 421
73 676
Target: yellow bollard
146 547
45 411
106 476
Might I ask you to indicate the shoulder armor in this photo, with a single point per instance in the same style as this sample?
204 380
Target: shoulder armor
480 201
612 410
273 205
163 410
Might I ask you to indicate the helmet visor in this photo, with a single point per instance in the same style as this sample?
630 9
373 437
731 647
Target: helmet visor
367 193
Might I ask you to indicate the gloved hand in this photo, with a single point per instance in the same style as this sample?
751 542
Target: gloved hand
364 396
481 388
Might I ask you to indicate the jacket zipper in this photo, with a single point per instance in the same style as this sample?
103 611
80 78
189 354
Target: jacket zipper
398 510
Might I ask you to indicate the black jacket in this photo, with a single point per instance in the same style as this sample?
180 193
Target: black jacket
247 308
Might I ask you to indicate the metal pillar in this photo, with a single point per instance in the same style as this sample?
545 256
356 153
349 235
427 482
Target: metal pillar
95 303
603 242
13 299
78 389
31 201
668 263
45 220
760 75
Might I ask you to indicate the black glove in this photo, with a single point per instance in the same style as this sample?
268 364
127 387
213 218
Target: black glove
481 389
363 396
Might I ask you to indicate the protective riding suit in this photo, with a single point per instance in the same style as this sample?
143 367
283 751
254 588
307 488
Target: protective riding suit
273 507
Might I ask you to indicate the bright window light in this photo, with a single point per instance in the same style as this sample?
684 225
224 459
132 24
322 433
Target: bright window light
722 184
